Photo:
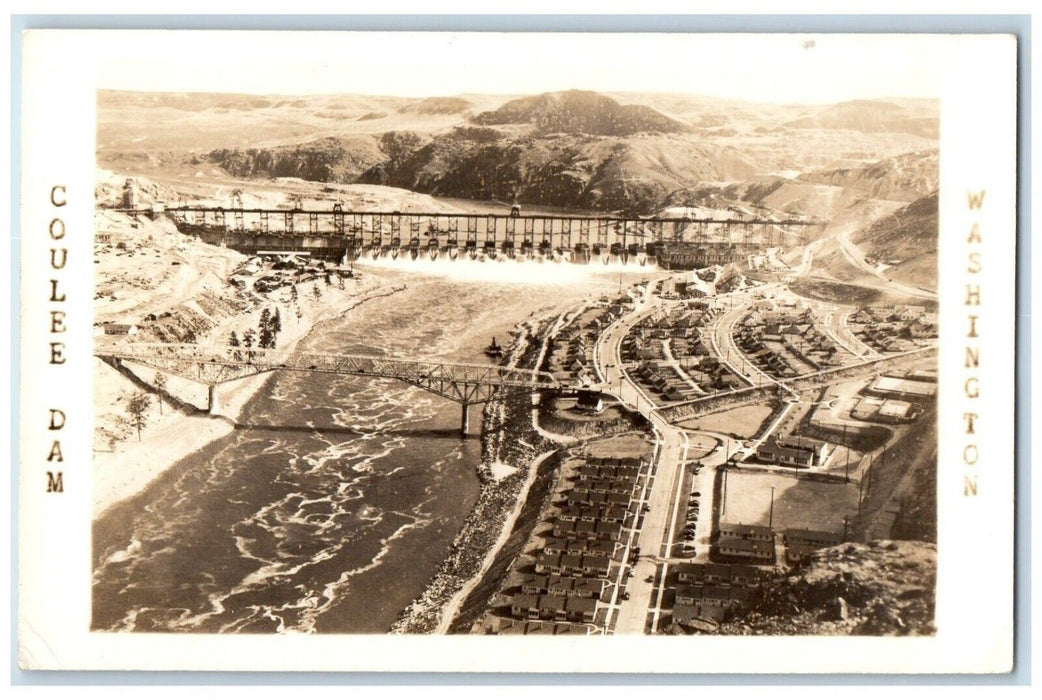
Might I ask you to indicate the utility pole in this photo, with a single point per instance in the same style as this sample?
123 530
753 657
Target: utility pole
770 518
723 493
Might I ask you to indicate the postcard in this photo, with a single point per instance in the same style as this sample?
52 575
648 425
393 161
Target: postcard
676 353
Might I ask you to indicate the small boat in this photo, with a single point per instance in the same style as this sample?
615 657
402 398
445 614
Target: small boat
494 349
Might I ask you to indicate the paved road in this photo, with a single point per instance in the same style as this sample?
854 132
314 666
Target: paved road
654 538
722 342
856 258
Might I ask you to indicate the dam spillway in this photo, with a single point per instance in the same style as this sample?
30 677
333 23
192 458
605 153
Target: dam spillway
339 234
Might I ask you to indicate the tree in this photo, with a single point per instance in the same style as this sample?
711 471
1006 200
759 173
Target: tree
247 338
316 291
276 322
233 340
137 408
264 336
160 382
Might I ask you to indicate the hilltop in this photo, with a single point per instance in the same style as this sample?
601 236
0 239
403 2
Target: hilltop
581 112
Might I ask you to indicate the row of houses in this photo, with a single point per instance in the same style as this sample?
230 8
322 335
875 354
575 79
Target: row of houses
564 586
711 574
786 343
573 565
508 626
711 591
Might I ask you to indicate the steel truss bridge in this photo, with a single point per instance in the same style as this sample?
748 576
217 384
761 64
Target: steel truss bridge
336 231
464 383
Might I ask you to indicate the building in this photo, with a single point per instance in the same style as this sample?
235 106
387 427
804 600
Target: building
589 402
797 451
749 550
747 543
817 538
525 606
117 329
903 388
800 543
761 533
707 603
741 575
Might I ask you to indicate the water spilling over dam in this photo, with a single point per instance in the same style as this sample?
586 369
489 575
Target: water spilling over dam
347 235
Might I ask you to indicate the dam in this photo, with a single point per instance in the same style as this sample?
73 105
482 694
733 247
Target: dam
338 234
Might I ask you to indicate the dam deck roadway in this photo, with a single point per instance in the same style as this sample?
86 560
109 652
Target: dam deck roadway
464 383
335 231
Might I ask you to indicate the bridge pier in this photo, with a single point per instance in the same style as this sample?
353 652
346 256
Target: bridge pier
211 398
464 419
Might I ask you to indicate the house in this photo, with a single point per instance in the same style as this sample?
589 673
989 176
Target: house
589 402
509 627
535 585
552 607
524 606
571 565
595 565
548 563
744 576
580 609
924 327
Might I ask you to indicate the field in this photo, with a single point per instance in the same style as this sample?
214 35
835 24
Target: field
802 503
629 445
741 422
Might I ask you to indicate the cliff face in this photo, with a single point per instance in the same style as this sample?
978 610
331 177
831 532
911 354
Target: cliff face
880 588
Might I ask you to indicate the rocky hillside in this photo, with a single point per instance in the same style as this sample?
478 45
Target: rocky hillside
326 160
632 153
907 241
905 177
880 588
580 112
566 170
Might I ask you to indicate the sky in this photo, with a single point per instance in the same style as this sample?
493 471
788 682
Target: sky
765 68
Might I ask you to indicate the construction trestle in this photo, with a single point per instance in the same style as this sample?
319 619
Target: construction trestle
333 232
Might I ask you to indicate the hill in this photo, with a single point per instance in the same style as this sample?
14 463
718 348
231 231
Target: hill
871 116
907 241
880 588
437 105
580 112
905 177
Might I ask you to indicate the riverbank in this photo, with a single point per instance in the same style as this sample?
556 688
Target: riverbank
512 451
170 435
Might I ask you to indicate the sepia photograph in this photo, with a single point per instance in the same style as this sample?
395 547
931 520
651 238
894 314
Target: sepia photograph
517 334
566 362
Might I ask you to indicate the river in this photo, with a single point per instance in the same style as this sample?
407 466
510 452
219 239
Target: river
336 498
